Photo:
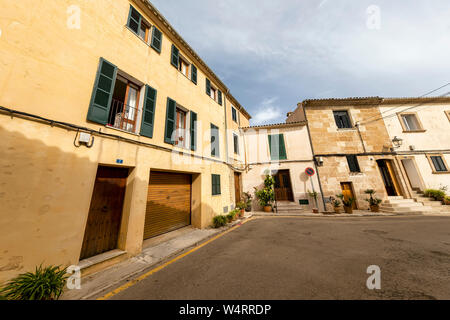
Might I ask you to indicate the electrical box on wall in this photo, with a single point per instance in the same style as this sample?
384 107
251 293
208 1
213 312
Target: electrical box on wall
84 138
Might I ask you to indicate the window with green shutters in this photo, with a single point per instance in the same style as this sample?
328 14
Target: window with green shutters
102 94
156 40
277 147
215 178
193 131
170 121
175 56
193 74
215 151
148 114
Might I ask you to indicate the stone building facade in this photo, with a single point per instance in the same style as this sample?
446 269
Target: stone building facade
352 153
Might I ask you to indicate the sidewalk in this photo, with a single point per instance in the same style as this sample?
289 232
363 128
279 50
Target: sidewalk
152 254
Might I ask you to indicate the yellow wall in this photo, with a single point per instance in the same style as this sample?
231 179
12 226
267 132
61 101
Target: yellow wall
46 182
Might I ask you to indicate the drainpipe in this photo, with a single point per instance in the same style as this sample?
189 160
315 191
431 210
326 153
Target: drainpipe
226 124
314 160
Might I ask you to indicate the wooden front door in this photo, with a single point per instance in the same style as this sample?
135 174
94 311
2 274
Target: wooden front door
105 213
347 191
237 187
387 174
283 187
168 203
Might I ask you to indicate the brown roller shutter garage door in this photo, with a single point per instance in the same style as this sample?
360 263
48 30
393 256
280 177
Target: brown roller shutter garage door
168 203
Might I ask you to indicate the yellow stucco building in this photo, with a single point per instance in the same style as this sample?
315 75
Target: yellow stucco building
113 130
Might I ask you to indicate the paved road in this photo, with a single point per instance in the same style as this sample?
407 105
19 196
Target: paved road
312 258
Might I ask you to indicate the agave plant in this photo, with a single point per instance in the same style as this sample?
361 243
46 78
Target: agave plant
44 284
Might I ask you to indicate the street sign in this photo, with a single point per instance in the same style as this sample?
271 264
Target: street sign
310 172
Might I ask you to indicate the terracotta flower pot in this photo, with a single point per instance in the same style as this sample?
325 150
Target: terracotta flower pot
337 210
348 210
315 210
268 209
241 213
375 208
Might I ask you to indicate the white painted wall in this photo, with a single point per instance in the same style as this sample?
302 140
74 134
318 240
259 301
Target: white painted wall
436 137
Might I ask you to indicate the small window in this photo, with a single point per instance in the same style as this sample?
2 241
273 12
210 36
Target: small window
236 143
342 119
277 147
439 164
353 164
215 178
410 122
180 138
215 151
144 31
234 114
213 93
183 67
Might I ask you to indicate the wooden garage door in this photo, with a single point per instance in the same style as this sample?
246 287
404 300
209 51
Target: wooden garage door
168 203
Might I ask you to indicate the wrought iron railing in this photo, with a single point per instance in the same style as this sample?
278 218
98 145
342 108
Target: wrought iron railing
123 116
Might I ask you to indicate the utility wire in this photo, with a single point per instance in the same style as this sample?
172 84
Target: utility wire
407 109
422 96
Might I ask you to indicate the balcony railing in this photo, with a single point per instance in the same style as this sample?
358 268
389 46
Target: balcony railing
123 116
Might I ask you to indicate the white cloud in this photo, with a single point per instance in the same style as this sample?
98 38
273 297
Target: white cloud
268 112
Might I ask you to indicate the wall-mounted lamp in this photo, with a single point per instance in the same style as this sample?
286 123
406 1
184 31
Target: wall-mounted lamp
397 142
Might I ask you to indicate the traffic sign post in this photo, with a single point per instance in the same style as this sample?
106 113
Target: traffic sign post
310 172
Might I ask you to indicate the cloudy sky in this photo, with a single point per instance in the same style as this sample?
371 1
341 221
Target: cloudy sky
274 54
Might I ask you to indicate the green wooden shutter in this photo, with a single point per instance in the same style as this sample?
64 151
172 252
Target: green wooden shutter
282 150
134 20
194 74
219 95
170 120
208 87
215 184
193 131
102 93
156 39
148 114
175 56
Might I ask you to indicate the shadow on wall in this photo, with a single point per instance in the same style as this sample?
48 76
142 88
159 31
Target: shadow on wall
45 195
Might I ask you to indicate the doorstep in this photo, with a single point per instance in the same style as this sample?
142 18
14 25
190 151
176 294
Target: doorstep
96 262
154 252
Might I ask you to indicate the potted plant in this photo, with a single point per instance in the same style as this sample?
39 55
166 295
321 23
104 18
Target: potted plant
248 201
230 217
266 195
314 195
348 204
241 206
219 221
337 206
447 200
44 284
374 203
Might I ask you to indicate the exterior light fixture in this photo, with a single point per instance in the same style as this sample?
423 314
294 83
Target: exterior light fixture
397 142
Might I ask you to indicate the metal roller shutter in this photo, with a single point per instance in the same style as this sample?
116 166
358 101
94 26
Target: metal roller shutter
168 203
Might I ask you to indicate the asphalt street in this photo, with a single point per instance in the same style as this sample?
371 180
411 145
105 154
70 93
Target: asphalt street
312 258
